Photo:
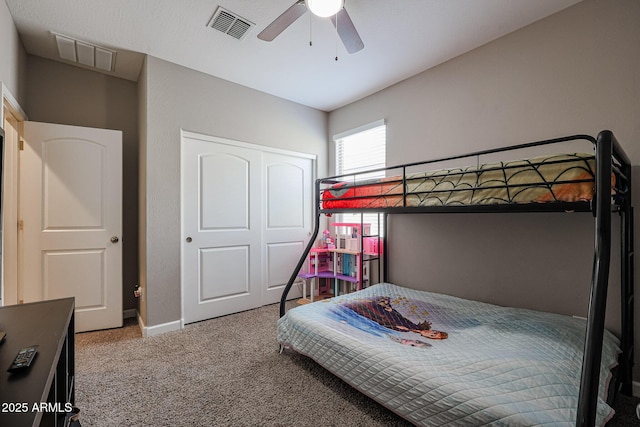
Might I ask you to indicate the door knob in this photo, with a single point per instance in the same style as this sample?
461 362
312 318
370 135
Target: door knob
189 239
115 239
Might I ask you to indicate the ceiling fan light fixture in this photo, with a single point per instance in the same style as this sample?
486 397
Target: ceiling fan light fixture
324 8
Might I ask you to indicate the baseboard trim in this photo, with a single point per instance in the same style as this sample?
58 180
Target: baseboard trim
150 331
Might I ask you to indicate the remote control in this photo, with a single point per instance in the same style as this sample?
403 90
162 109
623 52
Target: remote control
23 359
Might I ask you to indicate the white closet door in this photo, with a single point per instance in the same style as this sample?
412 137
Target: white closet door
221 216
246 218
287 218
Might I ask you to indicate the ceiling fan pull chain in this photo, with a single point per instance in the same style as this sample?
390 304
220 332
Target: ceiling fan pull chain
310 29
336 18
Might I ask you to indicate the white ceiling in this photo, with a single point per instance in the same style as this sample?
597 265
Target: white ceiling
401 37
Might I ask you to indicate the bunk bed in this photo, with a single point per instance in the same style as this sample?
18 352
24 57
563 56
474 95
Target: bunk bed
368 338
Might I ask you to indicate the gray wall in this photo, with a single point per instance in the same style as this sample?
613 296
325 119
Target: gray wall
142 180
13 56
180 98
64 94
573 72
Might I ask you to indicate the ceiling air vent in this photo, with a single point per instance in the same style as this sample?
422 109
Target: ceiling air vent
230 23
85 53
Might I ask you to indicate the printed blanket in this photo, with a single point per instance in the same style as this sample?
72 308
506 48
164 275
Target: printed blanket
441 360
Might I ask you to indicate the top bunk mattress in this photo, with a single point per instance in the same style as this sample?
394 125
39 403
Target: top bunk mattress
498 365
547 179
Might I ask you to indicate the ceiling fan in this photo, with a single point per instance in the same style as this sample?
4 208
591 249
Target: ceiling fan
338 16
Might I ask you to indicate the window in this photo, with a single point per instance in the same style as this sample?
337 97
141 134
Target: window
358 150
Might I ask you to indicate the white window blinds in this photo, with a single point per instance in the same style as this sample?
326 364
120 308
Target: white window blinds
360 150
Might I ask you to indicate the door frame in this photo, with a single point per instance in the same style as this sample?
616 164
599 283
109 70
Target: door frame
11 291
234 143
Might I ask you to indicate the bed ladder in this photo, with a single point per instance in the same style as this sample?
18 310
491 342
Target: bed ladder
606 146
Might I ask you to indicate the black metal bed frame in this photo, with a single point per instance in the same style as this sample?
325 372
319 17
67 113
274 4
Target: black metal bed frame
610 158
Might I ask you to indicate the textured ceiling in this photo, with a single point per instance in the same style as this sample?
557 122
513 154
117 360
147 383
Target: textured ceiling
401 37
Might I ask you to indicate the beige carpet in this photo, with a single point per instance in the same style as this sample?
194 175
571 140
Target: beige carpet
221 372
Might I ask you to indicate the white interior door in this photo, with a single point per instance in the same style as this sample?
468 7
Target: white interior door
230 262
71 213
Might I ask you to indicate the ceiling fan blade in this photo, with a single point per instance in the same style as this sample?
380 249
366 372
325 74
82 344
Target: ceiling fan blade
281 23
347 31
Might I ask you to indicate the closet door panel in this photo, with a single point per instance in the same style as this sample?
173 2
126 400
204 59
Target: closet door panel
246 219
287 227
221 227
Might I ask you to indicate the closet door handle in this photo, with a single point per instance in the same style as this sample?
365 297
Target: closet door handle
189 239
114 239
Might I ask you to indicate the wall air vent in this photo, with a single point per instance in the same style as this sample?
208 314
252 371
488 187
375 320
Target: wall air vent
230 23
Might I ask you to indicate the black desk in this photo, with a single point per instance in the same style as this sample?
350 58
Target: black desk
38 396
